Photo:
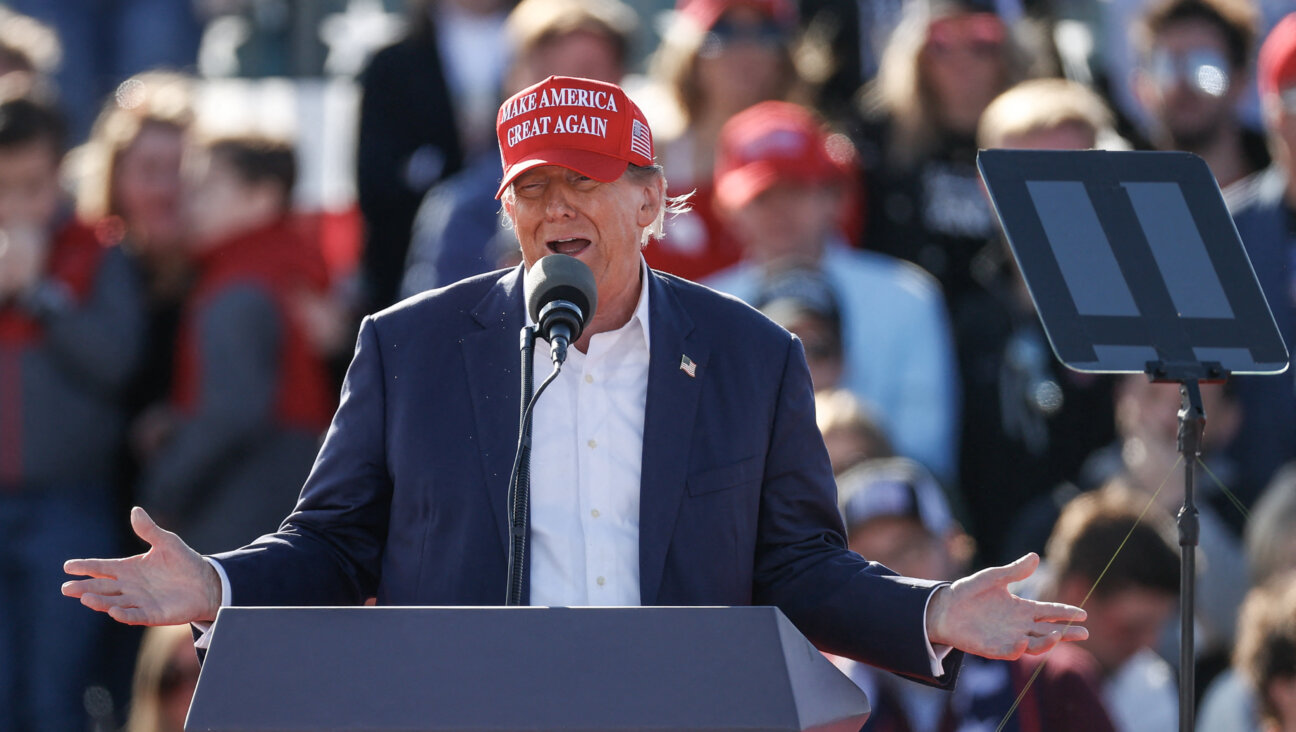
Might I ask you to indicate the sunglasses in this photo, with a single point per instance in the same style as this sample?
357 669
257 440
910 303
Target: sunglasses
1204 70
727 32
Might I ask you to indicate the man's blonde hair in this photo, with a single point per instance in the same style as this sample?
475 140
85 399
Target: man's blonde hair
1044 105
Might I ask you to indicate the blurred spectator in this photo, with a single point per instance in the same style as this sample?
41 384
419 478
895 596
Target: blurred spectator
841 45
1266 651
849 430
29 54
896 514
1145 457
1194 64
457 232
1121 566
803 302
945 62
109 40
1231 702
1271 530
717 58
1145 460
1262 209
1028 422
165 675
129 187
409 140
251 395
70 330
780 181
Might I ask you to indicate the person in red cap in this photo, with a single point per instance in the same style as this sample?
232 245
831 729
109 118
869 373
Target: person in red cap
675 460
1263 206
782 184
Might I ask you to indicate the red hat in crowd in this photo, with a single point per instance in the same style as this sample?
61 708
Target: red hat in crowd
705 13
772 142
588 126
1277 66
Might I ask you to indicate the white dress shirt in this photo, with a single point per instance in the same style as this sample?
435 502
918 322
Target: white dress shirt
586 460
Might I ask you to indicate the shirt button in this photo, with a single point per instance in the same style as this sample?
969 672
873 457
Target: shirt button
594 513
600 581
589 378
592 443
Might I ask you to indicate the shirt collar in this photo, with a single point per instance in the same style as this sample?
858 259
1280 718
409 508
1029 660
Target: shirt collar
641 310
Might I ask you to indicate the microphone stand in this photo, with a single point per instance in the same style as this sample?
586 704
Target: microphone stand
519 494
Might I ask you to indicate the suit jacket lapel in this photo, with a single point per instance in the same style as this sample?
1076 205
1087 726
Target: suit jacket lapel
668 427
492 361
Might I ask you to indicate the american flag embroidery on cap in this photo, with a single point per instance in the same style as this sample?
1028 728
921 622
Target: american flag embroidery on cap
640 139
687 366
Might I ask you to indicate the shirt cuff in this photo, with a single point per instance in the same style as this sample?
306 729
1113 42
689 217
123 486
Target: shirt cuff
204 640
935 654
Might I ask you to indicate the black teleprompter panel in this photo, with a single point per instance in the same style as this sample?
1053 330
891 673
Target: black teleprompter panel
1132 260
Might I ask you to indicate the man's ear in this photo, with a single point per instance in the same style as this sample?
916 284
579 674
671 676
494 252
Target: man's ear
653 193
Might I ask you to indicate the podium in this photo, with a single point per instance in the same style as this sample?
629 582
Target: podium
518 668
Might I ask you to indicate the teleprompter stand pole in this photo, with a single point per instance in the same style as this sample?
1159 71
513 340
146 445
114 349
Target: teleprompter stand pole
1192 425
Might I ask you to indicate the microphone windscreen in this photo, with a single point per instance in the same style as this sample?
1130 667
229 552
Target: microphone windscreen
560 277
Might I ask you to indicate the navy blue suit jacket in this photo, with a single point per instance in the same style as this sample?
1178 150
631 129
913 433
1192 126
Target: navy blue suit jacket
407 499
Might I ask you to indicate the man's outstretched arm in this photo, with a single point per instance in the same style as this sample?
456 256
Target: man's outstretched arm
170 584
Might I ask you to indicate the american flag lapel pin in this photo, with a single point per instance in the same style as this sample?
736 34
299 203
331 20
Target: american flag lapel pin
687 366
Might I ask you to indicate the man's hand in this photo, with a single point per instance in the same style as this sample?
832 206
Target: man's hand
978 614
170 584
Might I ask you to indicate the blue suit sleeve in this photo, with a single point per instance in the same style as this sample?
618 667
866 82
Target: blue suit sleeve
842 603
329 550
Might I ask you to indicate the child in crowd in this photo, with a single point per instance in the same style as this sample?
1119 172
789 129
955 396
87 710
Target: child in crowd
251 396
70 329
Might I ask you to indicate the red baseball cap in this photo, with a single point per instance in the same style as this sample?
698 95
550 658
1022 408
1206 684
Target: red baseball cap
1277 65
588 126
705 13
772 142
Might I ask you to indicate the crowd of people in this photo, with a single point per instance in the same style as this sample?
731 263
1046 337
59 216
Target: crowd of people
171 336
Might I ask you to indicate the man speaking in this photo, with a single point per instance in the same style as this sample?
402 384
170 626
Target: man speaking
675 460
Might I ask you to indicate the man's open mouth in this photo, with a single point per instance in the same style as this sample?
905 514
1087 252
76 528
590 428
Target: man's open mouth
570 247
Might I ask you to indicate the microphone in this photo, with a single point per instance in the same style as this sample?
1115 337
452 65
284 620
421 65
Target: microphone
561 296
